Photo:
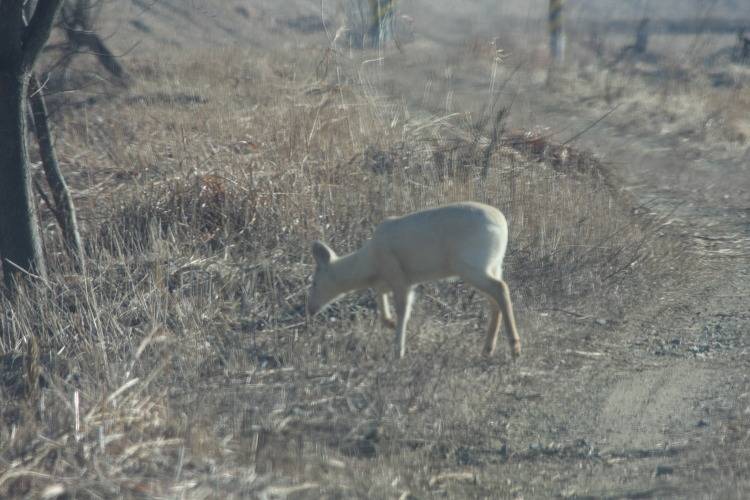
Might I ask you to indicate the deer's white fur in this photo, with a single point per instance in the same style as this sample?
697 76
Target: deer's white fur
466 240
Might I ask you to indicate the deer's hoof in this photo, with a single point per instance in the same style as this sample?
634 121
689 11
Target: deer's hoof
516 350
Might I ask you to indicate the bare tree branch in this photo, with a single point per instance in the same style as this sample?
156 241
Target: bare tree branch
77 19
37 32
64 209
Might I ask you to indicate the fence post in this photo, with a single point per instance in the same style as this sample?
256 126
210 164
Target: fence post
556 31
380 21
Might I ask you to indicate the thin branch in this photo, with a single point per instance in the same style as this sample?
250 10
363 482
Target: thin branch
594 124
51 206
64 208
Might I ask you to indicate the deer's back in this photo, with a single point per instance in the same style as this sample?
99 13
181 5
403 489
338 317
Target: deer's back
440 242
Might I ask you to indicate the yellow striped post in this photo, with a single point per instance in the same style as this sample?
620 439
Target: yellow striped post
556 31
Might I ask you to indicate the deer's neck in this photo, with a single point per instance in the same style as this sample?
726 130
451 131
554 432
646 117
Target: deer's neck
356 270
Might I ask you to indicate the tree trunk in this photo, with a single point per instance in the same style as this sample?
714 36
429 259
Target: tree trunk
20 44
20 243
64 209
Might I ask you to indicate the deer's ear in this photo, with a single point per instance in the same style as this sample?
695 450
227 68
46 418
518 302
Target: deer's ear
322 254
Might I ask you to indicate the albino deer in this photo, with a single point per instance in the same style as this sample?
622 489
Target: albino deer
465 240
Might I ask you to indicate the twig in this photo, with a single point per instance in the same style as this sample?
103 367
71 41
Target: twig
594 124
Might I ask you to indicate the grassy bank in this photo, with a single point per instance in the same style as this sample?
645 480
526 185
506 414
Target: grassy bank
183 362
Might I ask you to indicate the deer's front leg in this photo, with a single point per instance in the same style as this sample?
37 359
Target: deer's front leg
385 310
402 300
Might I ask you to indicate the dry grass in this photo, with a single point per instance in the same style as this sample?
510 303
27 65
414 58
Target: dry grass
183 363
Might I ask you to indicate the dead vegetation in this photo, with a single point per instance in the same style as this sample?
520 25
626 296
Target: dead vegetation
182 362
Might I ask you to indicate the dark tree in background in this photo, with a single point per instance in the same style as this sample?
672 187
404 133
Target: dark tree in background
370 23
20 45
78 19
381 21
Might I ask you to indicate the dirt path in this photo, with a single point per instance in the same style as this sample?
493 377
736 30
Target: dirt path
660 412
668 405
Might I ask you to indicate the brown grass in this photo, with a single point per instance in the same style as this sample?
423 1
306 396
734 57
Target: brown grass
183 363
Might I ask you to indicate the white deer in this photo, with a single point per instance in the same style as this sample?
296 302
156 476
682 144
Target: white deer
466 240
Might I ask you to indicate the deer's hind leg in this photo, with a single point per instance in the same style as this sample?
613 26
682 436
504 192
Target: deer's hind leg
494 329
502 310
508 319
496 317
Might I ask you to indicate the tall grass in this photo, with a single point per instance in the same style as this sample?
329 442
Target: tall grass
183 362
